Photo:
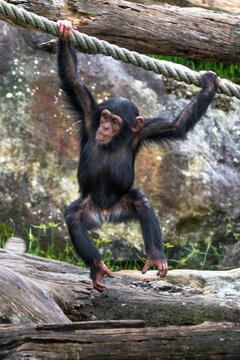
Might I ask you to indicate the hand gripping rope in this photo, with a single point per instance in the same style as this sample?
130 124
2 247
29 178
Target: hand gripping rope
93 45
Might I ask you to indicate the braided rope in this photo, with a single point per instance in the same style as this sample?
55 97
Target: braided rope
93 45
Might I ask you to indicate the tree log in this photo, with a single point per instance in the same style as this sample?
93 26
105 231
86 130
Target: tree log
168 30
33 289
37 290
219 5
107 341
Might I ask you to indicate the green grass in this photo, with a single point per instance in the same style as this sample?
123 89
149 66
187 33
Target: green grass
226 71
194 256
37 234
5 233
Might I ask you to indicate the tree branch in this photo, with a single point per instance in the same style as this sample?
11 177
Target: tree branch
167 30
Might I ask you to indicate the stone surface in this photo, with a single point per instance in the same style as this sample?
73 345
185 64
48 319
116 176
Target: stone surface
193 186
232 257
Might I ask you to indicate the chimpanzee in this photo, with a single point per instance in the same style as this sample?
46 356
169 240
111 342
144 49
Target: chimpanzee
111 135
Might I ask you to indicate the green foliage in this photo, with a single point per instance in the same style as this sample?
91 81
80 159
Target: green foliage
230 230
195 256
119 265
5 233
227 71
34 245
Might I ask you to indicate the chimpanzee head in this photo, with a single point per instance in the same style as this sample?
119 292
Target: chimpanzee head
118 120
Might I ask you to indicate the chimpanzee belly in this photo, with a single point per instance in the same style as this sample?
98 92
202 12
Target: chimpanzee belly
105 177
105 194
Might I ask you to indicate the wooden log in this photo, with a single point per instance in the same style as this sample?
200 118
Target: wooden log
38 290
108 341
150 29
33 289
217 5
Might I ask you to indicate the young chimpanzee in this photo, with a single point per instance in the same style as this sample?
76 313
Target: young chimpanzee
111 135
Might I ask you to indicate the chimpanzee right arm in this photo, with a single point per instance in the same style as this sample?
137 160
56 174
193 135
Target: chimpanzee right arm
78 95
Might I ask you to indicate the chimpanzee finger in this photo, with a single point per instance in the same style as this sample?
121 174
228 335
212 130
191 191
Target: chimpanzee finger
58 24
69 32
60 27
162 268
163 273
98 285
99 288
109 273
69 29
146 267
160 271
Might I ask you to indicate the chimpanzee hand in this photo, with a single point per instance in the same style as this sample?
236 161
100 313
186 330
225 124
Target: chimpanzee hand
102 270
65 28
161 264
210 81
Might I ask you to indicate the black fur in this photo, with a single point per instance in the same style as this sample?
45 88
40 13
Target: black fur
106 172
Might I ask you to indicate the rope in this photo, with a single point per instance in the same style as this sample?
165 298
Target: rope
93 45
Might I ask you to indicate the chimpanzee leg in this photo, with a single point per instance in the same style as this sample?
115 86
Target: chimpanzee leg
80 217
135 205
151 230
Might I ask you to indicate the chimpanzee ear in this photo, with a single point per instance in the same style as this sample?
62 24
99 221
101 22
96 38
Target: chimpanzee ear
139 124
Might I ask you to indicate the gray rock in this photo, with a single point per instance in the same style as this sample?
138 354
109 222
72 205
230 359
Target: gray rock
193 186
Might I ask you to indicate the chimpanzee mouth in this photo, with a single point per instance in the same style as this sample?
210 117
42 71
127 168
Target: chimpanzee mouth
102 138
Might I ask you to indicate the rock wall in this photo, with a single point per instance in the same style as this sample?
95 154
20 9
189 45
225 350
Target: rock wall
194 186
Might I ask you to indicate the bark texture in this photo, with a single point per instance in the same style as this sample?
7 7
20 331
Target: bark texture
168 30
111 340
33 289
40 297
37 290
219 5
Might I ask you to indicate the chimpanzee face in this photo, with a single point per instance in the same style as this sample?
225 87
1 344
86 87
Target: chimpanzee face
110 126
118 116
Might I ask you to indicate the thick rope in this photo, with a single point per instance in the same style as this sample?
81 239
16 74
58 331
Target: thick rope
93 45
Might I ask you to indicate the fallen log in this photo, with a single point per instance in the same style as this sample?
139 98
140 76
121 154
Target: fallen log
111 340
38 290
216 5
40 297
33 289
149 29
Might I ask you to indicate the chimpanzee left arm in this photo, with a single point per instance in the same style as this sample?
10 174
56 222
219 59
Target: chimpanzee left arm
158 129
